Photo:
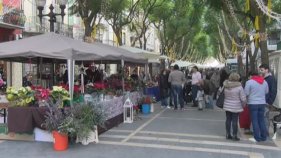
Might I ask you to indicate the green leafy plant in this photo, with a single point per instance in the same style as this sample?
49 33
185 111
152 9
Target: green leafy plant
59 94
20 97
57 119
84 119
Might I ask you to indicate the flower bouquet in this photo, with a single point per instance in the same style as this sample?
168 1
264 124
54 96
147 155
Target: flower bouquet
21 97
41 95
59 94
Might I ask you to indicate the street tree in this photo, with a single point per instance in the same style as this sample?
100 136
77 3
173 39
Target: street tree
120 13
89 11
141 22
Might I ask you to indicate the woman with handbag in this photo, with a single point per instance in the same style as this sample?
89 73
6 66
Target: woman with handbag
234 100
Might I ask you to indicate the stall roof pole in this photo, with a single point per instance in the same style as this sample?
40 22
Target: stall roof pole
123 75
70 66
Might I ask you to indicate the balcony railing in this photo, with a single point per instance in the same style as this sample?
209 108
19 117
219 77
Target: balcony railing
33 25
14 17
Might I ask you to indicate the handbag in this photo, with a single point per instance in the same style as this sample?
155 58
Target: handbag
220 100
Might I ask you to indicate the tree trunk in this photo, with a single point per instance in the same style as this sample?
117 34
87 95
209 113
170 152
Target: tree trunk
118 33
119 39
240 65
88 30
263 42
140 42
252 64
144 42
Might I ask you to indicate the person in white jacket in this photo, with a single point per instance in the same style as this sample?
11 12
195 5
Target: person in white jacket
234 100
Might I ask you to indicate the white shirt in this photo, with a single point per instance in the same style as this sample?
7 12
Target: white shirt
196 77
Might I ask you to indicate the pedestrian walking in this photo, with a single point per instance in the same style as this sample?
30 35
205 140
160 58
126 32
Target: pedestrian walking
272 91
234 101
196 77
209 89
256 89
177 79
170 94
215 79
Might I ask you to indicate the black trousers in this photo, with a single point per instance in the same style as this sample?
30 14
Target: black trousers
231 121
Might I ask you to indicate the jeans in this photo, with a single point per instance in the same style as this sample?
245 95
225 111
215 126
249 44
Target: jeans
231 121
177 95
194 90
170 97
209 101
266 119
164 102
258 122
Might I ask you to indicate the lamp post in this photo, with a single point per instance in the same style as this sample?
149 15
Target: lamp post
40 6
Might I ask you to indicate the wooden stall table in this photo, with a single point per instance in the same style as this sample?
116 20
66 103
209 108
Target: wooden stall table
25 119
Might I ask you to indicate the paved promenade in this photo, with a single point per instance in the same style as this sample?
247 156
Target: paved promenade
164 134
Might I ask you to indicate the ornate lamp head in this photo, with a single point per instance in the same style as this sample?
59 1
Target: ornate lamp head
40 3
62 2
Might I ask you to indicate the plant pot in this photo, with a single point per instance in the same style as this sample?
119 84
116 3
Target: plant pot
145 108
93 137
60 141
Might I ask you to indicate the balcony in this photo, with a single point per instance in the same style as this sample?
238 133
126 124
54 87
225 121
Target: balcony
33 25
13 19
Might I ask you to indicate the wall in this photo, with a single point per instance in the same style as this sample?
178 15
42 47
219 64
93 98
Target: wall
6 34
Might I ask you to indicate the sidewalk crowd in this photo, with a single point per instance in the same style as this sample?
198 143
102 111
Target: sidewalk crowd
246 100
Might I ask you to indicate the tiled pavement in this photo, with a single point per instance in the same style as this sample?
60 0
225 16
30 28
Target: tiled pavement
165 133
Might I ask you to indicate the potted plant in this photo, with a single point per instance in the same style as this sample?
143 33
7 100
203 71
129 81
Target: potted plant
20 97
146 104
59 95
86 118
58 122
41 95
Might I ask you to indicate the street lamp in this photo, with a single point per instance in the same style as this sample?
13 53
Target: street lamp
40 6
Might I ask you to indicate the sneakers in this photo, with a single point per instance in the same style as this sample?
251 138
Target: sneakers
168 107
235 138
252 140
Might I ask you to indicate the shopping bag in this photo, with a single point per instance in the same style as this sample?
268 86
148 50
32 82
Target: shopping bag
244 118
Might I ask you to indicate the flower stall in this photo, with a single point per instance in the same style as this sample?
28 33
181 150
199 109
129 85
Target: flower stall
28 109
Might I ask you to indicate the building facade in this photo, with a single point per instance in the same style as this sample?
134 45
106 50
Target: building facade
12 21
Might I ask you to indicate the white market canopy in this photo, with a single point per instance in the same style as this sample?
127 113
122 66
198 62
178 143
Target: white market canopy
51 45
151 56
212 62
181 63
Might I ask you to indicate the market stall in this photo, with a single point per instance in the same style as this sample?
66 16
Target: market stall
53 46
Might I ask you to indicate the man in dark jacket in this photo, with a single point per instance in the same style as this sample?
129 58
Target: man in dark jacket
272 86
209 90
163 87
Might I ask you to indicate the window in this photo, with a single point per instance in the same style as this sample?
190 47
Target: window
273 38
